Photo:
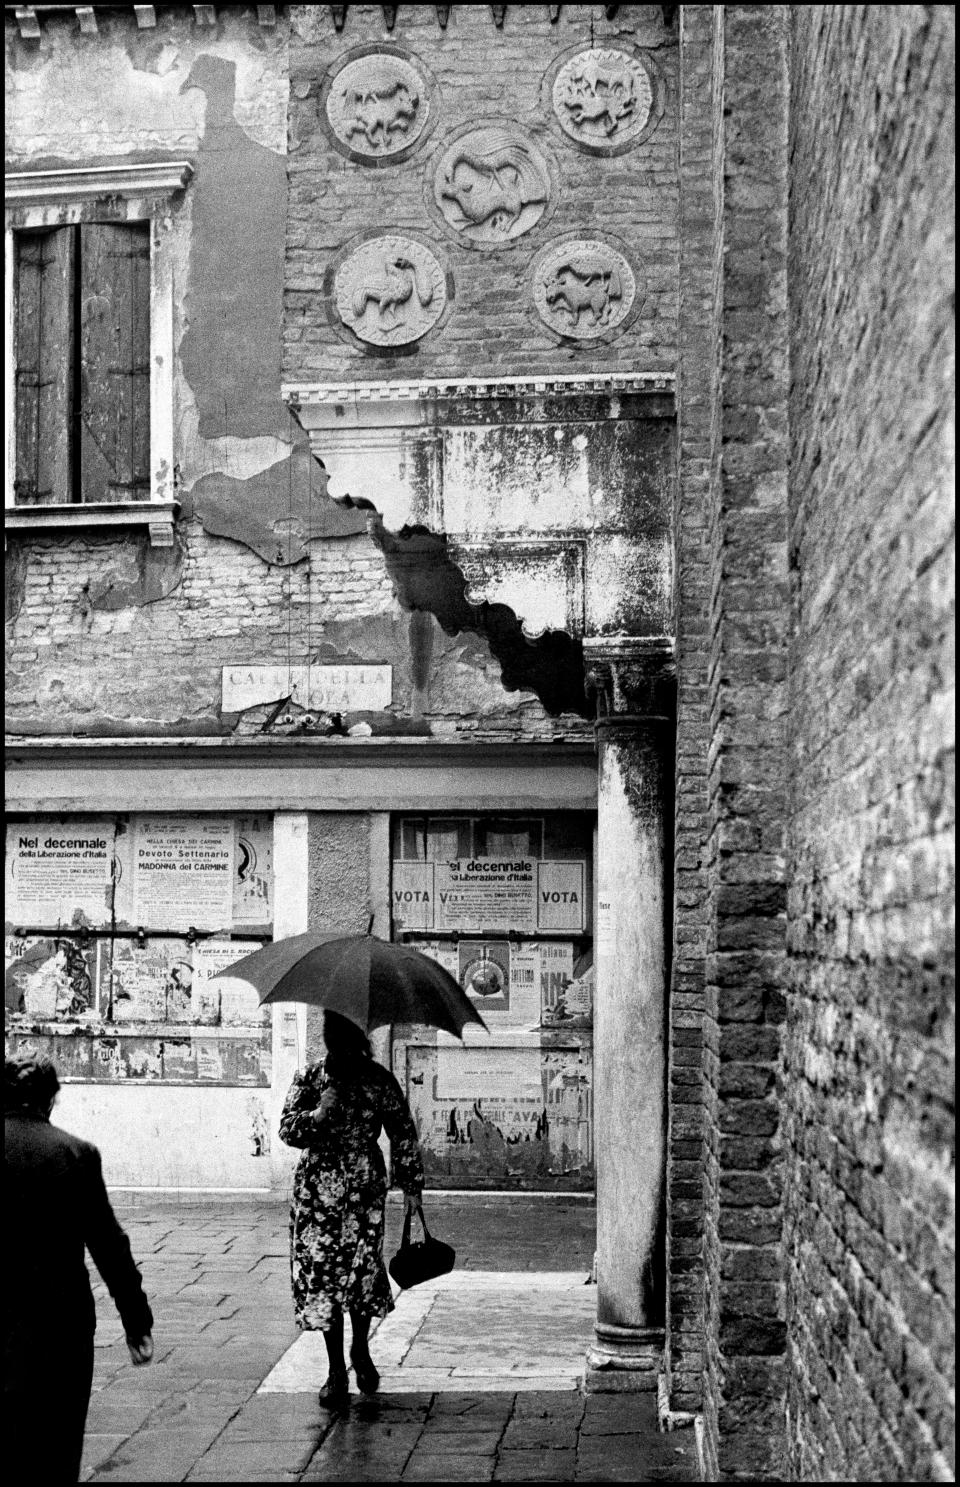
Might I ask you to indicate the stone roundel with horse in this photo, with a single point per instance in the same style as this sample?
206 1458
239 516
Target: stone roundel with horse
389 290
584 289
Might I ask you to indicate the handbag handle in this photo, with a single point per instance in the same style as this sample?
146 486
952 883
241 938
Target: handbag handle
405 1236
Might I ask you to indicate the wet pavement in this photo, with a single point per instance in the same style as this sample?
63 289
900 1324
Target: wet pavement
480 1371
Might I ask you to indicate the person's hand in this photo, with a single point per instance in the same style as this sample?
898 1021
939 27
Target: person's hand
141 1352
411 1203
328 1102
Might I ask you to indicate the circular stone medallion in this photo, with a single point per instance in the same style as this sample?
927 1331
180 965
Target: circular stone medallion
378 107
492 185
583 288
390 291
603 99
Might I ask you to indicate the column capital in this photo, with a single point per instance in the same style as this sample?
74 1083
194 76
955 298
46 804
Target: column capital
631 678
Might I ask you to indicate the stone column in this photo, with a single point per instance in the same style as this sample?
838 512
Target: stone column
629 1049
290 917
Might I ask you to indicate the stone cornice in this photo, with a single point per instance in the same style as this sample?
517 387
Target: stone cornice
82 776
87 183
472 389
601 382
214 753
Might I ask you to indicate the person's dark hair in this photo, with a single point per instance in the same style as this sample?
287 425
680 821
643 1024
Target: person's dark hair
30 1083
344 1040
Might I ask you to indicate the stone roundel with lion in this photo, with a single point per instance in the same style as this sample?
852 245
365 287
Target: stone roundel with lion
584 289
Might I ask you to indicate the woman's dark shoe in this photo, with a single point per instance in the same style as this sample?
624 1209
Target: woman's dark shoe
368 1380
335 1393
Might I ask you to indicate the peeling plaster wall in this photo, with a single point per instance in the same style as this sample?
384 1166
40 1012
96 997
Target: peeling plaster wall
217 96
106 634
113 638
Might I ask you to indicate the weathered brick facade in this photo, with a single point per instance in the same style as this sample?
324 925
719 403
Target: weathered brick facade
695 397
746 779
867 1100
788 219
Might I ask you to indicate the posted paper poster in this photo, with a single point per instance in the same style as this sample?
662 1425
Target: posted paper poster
46 979
525 984
489 893
60 873
556 973
413 895
183 872
560 895
153 983
235 1001
485 974
486 893
444 952
253 880
498 1074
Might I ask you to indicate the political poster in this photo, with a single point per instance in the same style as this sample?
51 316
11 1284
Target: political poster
478 893
412 892
59 873
560 895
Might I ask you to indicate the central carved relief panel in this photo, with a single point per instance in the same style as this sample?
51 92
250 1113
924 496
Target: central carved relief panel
491 185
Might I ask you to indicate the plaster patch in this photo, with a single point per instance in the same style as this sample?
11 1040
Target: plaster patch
276 511
143 575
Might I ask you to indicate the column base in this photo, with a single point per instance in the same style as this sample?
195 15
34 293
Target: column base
623 1360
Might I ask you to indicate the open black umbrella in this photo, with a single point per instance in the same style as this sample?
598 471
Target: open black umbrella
371 981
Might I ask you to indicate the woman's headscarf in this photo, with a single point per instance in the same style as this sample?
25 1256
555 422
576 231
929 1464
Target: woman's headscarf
347 1046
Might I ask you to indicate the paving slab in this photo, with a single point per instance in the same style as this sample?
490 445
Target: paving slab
481 1372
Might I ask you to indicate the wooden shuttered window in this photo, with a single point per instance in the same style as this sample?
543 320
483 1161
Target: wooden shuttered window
46 281
114 400
83 364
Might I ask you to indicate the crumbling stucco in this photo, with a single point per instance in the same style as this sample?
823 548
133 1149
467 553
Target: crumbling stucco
139 574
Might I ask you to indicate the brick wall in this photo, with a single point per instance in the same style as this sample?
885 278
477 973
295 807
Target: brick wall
483 73
107 636
868 1101
743 1407
695 388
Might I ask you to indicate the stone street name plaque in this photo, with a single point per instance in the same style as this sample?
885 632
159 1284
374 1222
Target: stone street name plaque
327 689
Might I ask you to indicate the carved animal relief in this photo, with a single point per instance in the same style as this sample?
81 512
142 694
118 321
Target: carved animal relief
603 99
390 291
584 289
377 106
492 185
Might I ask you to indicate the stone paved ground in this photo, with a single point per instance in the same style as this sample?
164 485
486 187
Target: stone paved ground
231 1393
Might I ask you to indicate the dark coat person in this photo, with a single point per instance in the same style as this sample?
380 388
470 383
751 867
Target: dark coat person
55 1207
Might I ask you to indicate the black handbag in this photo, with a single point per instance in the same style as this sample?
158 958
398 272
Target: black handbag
415 1263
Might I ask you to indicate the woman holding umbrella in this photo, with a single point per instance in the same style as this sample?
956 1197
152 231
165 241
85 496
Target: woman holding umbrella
335 1111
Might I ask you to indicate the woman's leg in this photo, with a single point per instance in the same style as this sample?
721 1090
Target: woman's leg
368 1379
335 1389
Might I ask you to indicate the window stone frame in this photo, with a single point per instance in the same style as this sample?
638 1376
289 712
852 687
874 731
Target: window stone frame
51 198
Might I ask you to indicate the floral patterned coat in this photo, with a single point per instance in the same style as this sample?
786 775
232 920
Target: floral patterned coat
336 1221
